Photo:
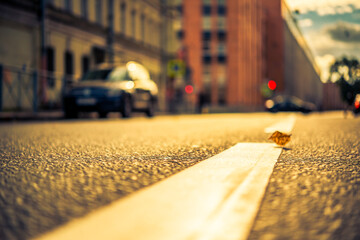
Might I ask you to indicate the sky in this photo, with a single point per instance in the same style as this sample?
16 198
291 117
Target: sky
331 29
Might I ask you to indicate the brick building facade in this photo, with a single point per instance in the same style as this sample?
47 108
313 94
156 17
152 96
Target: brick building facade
234 47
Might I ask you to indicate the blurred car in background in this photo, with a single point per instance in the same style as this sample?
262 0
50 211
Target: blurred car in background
289 104
123 89
357 104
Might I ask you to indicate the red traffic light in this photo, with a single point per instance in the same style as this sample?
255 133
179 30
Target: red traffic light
189 89
272 85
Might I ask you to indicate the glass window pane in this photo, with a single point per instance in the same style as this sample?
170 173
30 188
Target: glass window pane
68 5
123 17
206 10
119 74
221 23
133 23
206 23
221 10
206 2
84 8
97 75
221 48
98 12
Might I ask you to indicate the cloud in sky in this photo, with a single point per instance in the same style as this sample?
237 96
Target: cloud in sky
307 22
325 7
324 62
345 32
335 40
332 10
331 29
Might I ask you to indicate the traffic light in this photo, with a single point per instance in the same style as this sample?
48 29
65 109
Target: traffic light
272 85
267 89
189 89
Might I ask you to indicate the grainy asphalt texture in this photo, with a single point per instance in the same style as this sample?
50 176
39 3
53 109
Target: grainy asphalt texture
53 172
314 191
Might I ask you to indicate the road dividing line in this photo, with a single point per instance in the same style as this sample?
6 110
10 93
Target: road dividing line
284 126
217 198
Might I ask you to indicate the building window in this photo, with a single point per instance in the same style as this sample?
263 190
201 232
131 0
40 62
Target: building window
221 10
50 2
221 93
177 24
123 17
206 10
50 66
206 2
133 23
221 35
99 55
206 48
152 30
221 23
69 64
99 12
180 34
221 48
221 2
221 59
206 35
206 51
179 9
206 23
50 59
84 8
206 59
143 27
206 75
68 5
85 64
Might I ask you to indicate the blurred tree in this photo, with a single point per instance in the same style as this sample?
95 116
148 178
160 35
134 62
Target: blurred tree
346 73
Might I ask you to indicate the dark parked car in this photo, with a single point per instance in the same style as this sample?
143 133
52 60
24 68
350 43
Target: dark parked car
123 89
289 104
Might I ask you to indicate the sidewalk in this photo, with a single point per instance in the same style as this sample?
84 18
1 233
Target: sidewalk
43 115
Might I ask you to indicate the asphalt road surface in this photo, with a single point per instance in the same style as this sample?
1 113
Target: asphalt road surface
53 172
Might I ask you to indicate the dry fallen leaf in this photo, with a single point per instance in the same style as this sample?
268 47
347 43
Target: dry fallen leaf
280 138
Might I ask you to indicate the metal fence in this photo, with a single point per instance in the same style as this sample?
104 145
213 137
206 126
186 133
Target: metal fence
29 90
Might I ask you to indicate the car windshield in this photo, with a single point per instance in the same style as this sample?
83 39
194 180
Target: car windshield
96 75
112 75
119 74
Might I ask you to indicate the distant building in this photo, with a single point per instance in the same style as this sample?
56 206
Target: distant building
227 50
234 47
79 34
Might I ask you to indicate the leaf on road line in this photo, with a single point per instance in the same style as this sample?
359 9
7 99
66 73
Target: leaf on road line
280 138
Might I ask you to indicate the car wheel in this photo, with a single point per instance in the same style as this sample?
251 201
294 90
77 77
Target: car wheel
103 114
150 111
126 107
70 114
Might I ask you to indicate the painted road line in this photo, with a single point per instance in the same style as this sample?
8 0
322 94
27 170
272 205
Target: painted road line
201 202
235 217
284 126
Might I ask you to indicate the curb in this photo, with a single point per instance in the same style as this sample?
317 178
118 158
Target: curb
16 116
